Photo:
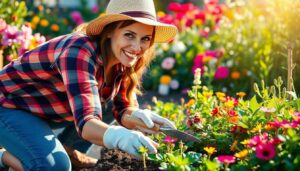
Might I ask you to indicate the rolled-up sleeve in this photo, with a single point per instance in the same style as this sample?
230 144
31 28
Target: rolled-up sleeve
78 69
121 103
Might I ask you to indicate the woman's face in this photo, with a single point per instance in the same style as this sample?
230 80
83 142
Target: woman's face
130 43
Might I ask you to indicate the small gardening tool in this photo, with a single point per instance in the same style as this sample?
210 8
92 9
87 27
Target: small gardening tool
133 122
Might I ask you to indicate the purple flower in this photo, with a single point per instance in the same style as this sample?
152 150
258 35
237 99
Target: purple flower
221 73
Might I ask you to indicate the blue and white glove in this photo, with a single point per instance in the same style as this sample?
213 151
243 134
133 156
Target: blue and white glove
118 137
149 118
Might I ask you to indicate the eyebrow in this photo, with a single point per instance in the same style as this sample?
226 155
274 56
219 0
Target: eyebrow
135 33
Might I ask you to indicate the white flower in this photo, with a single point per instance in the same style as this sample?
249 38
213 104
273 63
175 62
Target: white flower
229 63
174 84
206 44
178 47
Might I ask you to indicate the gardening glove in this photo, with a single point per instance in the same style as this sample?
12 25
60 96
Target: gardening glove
118 137
149 118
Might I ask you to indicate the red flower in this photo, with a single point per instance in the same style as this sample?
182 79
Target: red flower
216 112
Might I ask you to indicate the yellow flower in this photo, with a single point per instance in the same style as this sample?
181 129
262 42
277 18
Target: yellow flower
55 27
210 150
269 127
207 94
235 75
257 128
35 19
160 14
220 94
198 22
241 94
44 23
242 154
229 104
173 116
165 79
245 142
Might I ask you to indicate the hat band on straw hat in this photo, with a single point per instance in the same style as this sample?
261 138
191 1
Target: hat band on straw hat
139 14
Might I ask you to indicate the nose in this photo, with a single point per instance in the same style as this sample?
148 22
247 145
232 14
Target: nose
136 47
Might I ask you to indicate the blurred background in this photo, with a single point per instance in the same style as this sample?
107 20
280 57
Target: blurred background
235 43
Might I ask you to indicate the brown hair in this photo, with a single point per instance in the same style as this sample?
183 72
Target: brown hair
133 75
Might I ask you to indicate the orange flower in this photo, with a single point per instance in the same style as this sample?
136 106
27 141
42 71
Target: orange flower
235 75
55 27
190 103
233 146
44 23
241 94
165 79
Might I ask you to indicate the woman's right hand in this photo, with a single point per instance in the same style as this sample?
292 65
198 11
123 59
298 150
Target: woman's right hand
127 140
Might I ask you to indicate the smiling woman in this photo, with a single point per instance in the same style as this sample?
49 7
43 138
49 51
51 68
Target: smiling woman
66 81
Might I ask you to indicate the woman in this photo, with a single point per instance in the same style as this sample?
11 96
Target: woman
69 78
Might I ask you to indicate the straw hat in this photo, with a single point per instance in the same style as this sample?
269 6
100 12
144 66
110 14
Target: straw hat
142 11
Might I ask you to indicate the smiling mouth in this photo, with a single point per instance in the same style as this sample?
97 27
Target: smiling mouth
130 55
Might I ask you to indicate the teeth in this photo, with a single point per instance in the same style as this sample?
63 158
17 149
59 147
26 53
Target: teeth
130 54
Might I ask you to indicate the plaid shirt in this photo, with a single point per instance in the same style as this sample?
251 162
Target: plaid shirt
63 79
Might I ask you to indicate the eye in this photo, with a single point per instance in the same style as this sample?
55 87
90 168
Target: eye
147 38
129 35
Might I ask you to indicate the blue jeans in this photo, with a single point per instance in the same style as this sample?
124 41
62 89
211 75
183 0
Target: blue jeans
32 140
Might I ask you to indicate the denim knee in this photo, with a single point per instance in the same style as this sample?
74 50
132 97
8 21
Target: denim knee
55 161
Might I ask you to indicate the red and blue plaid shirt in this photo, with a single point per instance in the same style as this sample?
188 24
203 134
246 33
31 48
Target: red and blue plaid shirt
63 79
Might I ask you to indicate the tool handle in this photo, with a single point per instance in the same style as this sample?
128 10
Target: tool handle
132 122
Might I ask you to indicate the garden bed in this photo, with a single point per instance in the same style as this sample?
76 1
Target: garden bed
117 160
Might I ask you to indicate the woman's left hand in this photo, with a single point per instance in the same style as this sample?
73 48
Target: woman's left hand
149 118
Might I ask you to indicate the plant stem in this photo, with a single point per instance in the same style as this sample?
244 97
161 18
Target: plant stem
290 68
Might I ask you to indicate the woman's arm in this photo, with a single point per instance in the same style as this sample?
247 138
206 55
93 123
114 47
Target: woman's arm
93 131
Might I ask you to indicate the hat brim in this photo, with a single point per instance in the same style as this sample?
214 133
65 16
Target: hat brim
163 32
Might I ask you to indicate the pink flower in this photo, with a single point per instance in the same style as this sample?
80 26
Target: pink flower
256 140
25 36
221 73
39 38
226 159
265 151
174 6
3 25
168 63
10 36
76 17
95 9
169 140
198 63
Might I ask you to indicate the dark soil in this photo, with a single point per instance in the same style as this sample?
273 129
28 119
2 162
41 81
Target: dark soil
116 160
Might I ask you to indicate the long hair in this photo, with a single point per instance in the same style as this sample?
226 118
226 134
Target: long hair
132 75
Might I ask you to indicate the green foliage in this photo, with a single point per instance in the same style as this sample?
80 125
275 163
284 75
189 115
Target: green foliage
13 12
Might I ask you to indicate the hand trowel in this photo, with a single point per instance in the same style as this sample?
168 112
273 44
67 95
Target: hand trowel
185 137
